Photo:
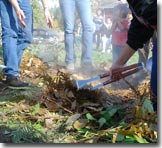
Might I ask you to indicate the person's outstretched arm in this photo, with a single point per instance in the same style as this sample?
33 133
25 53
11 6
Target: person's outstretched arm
138 35
19 12
126 54
47 13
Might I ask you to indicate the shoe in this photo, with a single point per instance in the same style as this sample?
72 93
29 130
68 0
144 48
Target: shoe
14 81
70 67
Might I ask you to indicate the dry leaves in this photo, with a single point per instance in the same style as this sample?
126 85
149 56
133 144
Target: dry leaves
32 66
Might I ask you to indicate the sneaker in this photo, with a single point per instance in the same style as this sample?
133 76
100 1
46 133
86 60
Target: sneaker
70 67
14 81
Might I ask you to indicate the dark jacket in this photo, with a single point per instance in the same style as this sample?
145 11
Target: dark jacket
105 30
144 22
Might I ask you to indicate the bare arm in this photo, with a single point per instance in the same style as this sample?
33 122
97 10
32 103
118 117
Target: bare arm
19 12
125 55
47 13
123 58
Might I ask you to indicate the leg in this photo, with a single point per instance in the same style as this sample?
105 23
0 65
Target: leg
104 43
109 48
68 13
94 37
25 35
10 44
116 51
9 38
114 56
84 10
98 39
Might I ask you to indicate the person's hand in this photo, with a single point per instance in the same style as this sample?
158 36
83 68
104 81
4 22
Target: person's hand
21 17
19 12
48 18
114 67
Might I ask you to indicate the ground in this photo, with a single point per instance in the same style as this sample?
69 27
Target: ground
53 100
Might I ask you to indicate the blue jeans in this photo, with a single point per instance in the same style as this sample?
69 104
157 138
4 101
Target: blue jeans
68 12
14 37
116 51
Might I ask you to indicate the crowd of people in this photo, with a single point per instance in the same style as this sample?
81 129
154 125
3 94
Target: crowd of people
123 33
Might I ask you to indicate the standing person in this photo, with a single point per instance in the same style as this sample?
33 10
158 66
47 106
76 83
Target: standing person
104 40
98 20
15 36
68 12
106 35
119 30
141 29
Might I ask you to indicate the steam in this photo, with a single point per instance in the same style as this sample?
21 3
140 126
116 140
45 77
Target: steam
54 54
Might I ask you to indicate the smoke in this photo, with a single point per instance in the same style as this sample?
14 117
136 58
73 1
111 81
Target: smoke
54 54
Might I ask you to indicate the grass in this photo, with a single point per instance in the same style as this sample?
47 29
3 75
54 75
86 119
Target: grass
56 55
24 119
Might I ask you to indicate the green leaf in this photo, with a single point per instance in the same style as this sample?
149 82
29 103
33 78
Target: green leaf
82 131
106 115
35 109
140 139
123 123
147 106
112 111
90 117
120 137
109 112
101 121
130 139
